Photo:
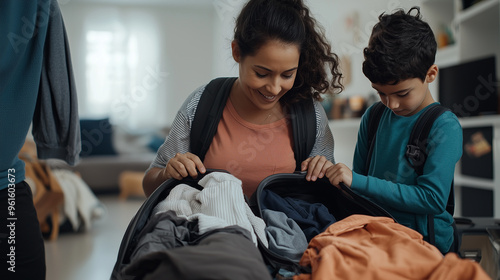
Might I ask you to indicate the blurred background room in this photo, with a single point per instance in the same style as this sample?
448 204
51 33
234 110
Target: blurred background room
135 62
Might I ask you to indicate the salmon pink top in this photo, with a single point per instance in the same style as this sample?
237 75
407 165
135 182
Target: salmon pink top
250 151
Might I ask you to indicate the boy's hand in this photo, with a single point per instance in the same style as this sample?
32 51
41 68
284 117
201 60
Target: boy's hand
316 167
339 173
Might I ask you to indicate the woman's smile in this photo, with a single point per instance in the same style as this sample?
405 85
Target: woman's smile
267 97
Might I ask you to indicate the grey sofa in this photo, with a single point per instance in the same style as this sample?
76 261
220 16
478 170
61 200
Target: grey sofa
109 150
101 173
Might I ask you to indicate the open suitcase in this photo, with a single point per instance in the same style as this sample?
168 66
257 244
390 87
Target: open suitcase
292 187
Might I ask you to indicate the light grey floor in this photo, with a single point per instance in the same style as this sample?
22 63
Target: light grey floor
92 254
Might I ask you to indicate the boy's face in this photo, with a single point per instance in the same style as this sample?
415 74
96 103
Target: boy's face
407 97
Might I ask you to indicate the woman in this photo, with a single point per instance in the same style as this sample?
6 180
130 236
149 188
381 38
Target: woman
283 58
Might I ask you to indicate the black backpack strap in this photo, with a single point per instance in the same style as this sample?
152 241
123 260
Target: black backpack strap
416 154
373 120
303 117
208 113
416 150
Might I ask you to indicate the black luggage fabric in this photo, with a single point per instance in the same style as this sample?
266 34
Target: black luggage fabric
292 187
480 242
173 266
321 194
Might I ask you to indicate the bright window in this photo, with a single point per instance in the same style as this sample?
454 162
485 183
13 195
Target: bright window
123 79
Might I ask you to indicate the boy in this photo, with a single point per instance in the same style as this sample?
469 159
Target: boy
399 62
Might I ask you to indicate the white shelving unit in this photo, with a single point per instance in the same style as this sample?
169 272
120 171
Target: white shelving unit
476 31
481 183
479 30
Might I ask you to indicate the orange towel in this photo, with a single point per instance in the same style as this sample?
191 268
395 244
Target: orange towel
366 247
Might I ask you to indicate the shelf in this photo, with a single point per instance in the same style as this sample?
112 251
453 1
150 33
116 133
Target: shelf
345 123
477 11
438 14
481 183
448 56
492 120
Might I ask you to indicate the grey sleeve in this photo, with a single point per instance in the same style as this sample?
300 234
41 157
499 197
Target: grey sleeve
178 139
56 126
324 144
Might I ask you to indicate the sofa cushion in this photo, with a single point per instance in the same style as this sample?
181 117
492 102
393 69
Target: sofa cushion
97 135
155 142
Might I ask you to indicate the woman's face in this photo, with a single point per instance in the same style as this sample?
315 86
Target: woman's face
268 74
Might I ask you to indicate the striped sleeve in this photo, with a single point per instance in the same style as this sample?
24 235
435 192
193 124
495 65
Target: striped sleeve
324 139
178 138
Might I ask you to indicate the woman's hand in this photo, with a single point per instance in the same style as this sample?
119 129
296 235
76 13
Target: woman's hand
183 165
339 173
316 167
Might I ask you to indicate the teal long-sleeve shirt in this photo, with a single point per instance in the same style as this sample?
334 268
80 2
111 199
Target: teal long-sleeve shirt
393 183
36 86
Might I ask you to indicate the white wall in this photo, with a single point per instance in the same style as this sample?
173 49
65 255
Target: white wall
348 25
195 39
185 44
225 13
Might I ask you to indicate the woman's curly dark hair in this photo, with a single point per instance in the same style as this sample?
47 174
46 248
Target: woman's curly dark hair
402 46
290 21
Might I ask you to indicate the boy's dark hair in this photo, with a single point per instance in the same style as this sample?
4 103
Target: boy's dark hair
402 46
289 21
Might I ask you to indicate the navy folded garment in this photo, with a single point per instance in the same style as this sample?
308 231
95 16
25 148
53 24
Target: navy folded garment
312 218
